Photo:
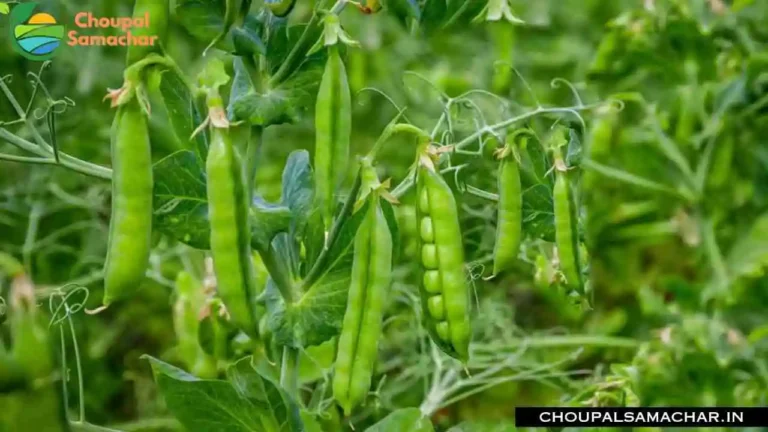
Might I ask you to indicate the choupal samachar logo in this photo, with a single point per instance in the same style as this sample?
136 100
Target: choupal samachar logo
33 35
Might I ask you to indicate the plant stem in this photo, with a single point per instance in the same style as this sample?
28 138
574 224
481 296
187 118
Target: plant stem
392 129
299 51
404 186
87 427
289 372
469 140
562 342
65 160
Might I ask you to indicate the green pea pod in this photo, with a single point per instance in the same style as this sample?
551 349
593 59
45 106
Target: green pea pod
156 11
444 288
31 349
333 124
12 375
280 8
361 328
230 230
409 230
503 35
566 236
130 227
509 221
190 300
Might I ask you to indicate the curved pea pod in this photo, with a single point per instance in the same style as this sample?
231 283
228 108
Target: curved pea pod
333 125
444 288
566 237
503 37
371 275
190 300
12 375
29 331
155 13
509 221
406 220
230 230
280 8
130 227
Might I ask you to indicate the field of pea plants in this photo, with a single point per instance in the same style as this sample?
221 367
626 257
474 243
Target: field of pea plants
379 215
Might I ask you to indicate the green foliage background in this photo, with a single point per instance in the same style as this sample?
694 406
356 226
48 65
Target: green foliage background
673 205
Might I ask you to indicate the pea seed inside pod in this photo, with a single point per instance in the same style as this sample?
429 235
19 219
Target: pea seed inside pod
426 230
429 256
431 281
436 308
443 331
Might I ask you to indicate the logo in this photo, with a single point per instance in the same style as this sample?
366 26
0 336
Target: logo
33 35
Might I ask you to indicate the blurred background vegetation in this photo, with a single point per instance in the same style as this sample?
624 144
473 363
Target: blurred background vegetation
674 203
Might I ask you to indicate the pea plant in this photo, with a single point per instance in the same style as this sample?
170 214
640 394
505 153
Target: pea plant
349 300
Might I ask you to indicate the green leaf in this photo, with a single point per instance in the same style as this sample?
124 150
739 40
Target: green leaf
183 113
265 109
317 315
204 20
574 152
749 255
180 200
538 213
4 8
282 104
241 85
310 424
281 413
407 419
484 426
298 189
213 75
282 40
246 41
206 405
267 220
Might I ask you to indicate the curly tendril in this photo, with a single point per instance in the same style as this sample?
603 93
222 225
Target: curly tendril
556 83
63 310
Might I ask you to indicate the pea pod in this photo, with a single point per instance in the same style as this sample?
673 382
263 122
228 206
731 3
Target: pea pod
444 288
503 36
190 300
565 226
280 8
12 375
230 230
157 13
31 349
333 124
509 220
361 328
130 226
406 221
